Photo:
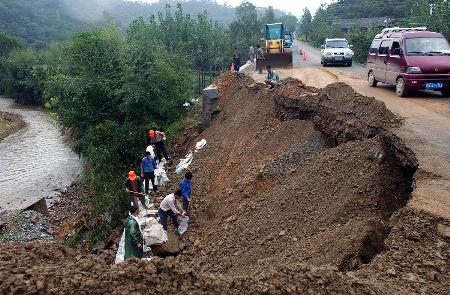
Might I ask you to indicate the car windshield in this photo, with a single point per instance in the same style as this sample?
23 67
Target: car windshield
427 46
337 44
287 37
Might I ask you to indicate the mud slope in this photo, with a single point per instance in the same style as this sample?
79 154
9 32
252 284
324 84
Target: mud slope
298 191
297 174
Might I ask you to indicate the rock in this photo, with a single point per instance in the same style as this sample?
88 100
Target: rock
34 218
414 236
50 231
411 277
391 272
294 239
170 248
443 230
282 233
431 275
230 219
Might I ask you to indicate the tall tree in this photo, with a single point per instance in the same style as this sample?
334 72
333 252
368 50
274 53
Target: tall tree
269 16
245 29
290 22
306 23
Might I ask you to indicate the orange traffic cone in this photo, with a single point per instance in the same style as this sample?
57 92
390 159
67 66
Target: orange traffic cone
304 55
232 68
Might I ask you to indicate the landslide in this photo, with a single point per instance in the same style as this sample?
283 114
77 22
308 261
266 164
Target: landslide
298 191
296 174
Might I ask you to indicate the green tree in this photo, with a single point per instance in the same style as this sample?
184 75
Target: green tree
306 23
290 22
434 14
268 17
245 29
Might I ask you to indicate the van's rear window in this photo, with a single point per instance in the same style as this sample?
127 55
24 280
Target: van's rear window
422 46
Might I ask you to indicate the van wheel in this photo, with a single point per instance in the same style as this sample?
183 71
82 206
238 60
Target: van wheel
446 93
349 64
371 80
324 64
400 87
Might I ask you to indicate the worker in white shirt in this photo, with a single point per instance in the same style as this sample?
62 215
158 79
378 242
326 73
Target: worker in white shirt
169 207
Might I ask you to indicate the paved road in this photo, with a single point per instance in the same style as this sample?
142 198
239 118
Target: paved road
313 60
35 162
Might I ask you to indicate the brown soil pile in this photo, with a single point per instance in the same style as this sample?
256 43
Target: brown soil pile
272 191
9 124
298 191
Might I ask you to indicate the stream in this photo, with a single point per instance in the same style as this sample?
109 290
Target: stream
35 162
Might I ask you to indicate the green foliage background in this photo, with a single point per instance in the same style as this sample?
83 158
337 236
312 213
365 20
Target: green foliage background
108 88
109 85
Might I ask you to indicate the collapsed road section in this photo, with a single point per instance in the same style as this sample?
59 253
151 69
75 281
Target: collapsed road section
300 190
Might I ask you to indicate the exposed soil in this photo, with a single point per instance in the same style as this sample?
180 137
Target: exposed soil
9 124
298 190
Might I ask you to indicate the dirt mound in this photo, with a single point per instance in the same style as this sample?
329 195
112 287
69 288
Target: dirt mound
337 111
298 190
274 191
51 269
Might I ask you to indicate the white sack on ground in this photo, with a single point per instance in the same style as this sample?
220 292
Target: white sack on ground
184 222
199 145
154 233
184 163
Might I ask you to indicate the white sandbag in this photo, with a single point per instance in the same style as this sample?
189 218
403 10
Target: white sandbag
199 145
184 223
120 255
151 150
184 163
154 233
161 178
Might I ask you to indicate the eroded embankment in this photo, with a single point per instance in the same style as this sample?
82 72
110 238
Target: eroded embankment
298 191
297 174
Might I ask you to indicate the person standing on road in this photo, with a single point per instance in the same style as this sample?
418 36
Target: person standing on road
272 77
251 53
158 138
135 187
186 192
148 166
170 208
259 58
237 59
134 239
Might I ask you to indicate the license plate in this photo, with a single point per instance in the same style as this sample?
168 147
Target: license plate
438 85
338 57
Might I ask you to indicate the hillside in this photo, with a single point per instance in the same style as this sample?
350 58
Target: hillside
370 8
40 21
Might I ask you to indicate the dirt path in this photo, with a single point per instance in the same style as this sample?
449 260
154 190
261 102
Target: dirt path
426 130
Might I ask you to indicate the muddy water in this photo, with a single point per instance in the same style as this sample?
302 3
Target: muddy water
35 162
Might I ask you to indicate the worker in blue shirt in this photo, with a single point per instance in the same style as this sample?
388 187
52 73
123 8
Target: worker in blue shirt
272 77
186 192
148 166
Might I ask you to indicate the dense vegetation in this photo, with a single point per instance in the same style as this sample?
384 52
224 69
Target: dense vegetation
434 14
109 88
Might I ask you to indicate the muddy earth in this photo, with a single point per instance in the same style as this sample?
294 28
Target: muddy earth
299 190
